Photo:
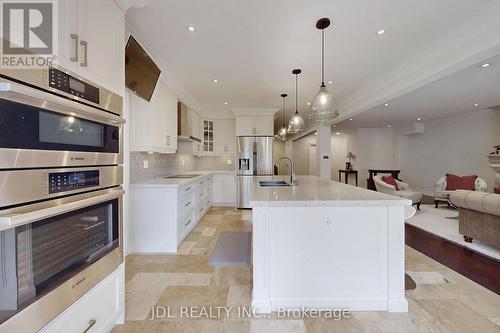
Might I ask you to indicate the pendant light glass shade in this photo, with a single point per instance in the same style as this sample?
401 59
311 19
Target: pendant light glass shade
324 105
296 123
282 133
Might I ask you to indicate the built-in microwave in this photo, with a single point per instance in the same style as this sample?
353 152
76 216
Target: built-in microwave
40 129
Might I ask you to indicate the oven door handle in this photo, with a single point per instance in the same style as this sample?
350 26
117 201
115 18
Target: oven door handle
40 99
25 215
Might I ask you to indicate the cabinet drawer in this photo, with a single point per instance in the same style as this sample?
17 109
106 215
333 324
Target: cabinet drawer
185 189
184 224
199 210
184 203
95 312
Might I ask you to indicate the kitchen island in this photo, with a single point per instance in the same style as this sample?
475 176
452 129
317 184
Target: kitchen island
327 245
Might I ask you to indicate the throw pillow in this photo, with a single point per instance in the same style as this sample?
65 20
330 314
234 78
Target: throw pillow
454 182
391 181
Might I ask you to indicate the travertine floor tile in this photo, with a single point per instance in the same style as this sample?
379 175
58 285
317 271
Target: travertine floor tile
239 295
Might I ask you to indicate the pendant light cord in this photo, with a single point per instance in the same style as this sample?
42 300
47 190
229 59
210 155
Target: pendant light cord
283 112
323 57
296 93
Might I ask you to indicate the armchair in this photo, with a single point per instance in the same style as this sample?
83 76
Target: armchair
403 192
443 195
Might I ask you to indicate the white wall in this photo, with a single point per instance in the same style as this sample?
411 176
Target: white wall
300 153
452 145
374 148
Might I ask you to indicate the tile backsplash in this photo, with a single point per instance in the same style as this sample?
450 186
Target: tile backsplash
160 165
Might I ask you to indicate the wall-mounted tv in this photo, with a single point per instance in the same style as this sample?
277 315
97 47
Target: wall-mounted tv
141 73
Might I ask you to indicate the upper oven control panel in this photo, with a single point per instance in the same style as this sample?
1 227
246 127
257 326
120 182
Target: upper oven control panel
73 180
71 85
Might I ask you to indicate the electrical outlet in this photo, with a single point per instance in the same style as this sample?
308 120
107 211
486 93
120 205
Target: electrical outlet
145 164
229 162
328 222
183 162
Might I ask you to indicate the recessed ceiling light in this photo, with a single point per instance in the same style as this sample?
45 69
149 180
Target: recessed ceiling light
389 126
330 82
226 103
476 104
350 118
419 118
316 133
338 133
381 32
334 126
386 104
485 65
191 28
308 103
215 80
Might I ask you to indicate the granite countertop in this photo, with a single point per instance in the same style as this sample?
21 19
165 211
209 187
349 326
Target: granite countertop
176 182
315 191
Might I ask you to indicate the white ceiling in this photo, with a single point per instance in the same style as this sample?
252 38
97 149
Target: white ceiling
448 96
252 46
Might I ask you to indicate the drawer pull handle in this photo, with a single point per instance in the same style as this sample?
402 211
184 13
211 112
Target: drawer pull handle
187 204
185 224
201 209
187 189
92 322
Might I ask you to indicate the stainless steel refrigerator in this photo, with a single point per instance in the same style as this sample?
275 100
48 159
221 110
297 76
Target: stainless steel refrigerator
255 158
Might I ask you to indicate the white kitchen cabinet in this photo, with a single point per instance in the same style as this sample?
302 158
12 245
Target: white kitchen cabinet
255 126
224 190
153 125
161 216
92 41
225 137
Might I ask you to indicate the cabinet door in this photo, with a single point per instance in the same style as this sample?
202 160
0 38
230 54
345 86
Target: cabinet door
101 24
245 126
218 189
264 125
229 189
220 134
139 123
68 40
158 117
171 119
231 136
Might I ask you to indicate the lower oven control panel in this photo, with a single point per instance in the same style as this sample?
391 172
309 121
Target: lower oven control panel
72 180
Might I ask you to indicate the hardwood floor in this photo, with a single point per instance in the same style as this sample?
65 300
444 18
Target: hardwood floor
474 266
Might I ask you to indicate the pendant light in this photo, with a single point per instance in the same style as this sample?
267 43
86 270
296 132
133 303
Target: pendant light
282 133
324 106
296 123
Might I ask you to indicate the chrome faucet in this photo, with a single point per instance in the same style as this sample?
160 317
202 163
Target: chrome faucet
293 180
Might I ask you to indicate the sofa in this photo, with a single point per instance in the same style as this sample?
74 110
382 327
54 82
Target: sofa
441 194
478 216
403 190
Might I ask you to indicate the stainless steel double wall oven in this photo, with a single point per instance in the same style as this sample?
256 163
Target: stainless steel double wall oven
60 193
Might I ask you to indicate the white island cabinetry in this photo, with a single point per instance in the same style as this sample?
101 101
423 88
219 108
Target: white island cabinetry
327 245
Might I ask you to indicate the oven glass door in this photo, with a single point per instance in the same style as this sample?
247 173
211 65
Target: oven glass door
37 257
27 127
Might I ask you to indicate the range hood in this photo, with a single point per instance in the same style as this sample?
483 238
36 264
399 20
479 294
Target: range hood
184 133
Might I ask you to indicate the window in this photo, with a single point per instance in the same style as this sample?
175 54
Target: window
208 135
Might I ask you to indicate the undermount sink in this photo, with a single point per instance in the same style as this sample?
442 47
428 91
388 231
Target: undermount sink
273 183
184 176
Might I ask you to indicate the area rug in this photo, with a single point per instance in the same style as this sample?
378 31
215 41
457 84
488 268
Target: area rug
437 222
232 249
